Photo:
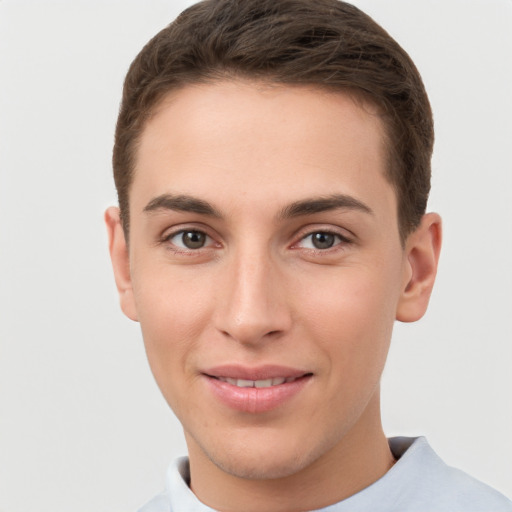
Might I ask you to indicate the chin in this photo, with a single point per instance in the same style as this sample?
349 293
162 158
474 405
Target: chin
265 459
257 469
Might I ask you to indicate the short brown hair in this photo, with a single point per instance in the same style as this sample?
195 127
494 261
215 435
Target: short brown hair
327 43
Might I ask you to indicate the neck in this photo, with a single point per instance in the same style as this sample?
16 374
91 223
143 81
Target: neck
360 458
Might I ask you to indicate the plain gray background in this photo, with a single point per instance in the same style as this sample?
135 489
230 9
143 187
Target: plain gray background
82 424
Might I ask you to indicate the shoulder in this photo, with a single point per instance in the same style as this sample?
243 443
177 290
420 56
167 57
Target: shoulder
430 482
159 503
467 493
421 482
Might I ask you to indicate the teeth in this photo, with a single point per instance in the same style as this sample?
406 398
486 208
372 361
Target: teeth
242 383
265 383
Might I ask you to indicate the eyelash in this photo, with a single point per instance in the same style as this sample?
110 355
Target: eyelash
166 239
340 241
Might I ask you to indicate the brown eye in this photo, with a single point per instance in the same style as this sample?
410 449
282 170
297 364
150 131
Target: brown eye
189 239
193 239
323 240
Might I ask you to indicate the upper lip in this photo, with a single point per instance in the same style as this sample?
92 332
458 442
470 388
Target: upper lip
263 372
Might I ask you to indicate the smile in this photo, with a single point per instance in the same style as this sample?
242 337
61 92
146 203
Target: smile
264 383
256 390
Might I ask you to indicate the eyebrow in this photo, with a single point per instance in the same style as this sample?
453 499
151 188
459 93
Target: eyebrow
182 203
186 203
323 204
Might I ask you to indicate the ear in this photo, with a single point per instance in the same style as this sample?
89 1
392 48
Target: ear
120 262
422 255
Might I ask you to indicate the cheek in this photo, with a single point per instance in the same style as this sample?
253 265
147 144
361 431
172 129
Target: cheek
172 313
352 318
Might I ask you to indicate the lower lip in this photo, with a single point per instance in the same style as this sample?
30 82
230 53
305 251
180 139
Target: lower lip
256 400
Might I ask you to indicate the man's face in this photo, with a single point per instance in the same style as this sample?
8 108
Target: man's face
264 246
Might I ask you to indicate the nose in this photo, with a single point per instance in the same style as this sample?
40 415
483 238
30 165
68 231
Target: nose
252 306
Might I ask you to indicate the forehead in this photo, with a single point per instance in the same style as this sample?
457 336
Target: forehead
259 140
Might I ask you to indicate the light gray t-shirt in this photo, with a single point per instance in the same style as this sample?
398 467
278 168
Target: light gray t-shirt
419 482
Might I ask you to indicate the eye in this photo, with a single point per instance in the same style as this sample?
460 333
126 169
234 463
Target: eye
321 240
189 239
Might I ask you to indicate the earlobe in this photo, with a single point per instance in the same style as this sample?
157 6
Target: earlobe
120 262
422 255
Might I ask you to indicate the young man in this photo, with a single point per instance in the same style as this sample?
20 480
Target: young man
272 161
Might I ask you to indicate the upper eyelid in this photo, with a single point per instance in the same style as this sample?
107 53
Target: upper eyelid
166 240
342 240
343 233
327 231
300 234
169 232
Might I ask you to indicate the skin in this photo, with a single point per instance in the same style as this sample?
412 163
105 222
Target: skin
259 292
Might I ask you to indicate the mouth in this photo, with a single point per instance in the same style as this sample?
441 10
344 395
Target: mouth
263 383
256 390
